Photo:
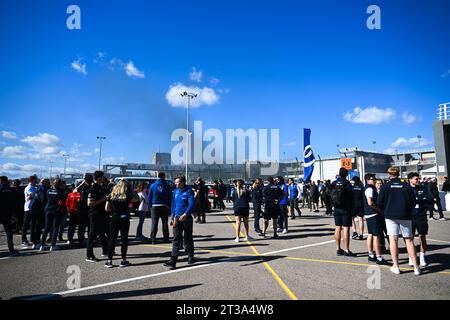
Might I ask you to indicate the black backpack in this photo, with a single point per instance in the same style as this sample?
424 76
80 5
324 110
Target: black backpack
337 194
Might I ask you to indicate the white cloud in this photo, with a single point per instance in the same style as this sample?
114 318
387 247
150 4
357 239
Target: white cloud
410 118
99 57
78 66
9 135
206 96
370 115
11 167
76 152
43 143
113 160
132 71
14 152
290 144
196 75
411 142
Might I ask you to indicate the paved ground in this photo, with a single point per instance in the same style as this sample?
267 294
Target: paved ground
300 265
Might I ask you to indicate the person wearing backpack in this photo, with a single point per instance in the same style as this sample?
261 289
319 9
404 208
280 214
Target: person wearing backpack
342 199
38 213
159 200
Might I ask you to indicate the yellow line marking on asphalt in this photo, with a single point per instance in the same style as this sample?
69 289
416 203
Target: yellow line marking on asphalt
269 268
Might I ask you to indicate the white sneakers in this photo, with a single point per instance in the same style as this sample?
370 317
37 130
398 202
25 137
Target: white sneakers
237 239
395 270
423 262
410 262
417 271
285 231
248 238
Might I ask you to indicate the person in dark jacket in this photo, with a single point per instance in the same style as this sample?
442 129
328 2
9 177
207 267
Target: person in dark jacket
118 204
419 215
18 211
358 207
283 217
434 191
182 208
314 196
38 213
159 200
222 192
327 198
7 204
257 198
342 199
446 185
241 206
201 198
53 214
272 195
397 201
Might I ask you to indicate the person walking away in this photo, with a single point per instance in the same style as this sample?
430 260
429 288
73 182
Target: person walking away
257 198
241 206
53 214
342 199
201 198
397 201
159 199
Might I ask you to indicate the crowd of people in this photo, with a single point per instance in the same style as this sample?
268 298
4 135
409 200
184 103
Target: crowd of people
101 209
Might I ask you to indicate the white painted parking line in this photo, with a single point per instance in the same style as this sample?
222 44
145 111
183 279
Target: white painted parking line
296 248
438 241
62 293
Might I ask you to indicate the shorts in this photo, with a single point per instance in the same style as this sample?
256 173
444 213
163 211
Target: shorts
394 227
358 212
242 212
375 225
343 220
420 224
271 212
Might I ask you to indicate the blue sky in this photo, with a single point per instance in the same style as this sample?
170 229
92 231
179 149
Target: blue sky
259 64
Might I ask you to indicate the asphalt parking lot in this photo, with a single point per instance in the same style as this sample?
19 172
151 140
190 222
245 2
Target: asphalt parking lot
299 265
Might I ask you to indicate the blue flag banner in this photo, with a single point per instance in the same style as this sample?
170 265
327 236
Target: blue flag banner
308 155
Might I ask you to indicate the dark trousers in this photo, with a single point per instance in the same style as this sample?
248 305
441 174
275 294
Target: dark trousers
6 221
63 223
328 206
283 218
53 221
123 225
79 220
18 219
178 238
439 208
221 203
26 225
293 204
216 203
160 212
257 212
201 216
384 234
97 227
36 225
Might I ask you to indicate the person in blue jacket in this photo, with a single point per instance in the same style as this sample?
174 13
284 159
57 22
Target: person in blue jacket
159 200
283 218
183 206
